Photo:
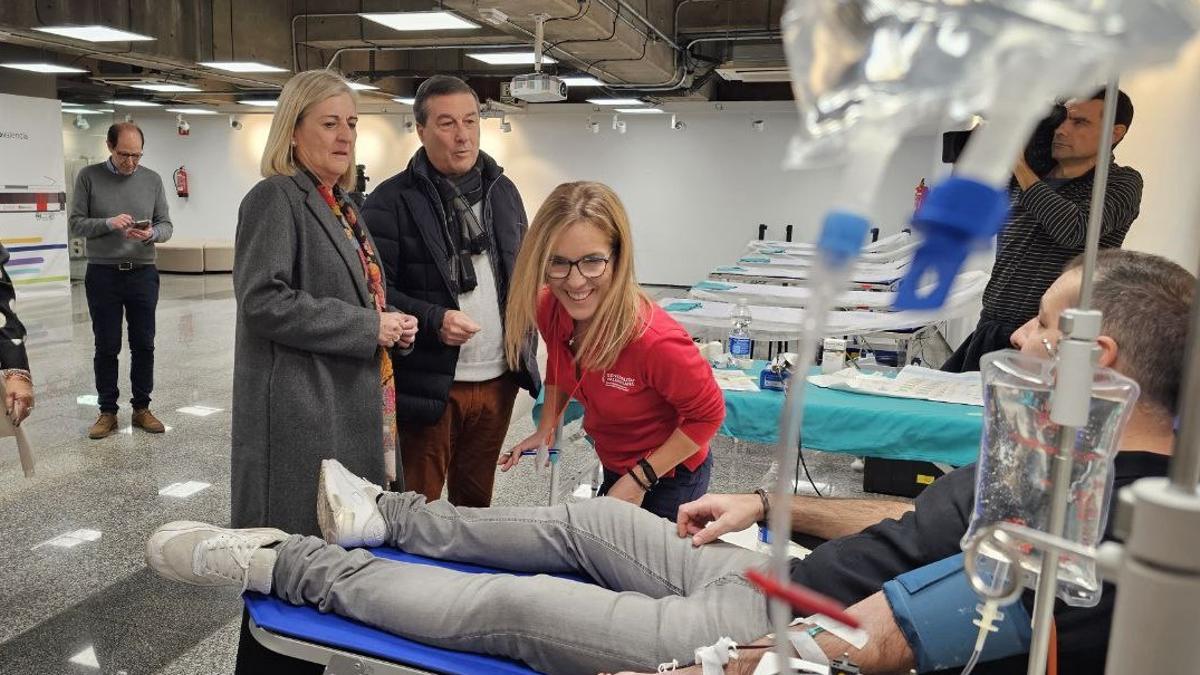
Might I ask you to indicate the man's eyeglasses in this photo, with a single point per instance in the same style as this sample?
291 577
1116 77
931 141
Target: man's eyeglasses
135 156
591 267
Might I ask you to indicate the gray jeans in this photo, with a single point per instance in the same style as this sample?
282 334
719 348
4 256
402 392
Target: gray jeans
657 599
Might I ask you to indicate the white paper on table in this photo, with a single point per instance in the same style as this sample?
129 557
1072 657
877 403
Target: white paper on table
911 382
735 380
748 539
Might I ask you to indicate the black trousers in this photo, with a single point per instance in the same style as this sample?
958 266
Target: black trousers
989 336
116 296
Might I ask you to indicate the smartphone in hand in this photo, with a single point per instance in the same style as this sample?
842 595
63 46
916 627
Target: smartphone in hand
141 224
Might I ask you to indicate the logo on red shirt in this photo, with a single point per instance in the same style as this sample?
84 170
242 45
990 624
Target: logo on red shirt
618 382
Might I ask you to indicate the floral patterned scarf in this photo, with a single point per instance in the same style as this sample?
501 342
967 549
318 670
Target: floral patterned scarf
348 217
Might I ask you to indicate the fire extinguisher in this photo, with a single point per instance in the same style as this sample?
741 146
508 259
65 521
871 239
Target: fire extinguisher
181 186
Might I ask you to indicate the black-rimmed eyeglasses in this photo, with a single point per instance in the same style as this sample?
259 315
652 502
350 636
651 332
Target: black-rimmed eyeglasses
590 267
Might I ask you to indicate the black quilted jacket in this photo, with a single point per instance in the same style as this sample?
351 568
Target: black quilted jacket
405 216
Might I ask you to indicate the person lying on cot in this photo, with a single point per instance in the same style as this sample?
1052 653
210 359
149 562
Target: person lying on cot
663 590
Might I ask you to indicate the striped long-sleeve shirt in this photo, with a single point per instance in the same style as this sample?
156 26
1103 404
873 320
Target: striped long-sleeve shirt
1046 228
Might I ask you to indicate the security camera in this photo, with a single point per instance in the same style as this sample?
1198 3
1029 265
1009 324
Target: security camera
621 127
182 125
676 124
409 125
594 126
81 123
759 125
505 125
234 123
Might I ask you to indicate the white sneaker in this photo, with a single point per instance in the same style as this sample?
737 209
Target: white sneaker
346 509
206 555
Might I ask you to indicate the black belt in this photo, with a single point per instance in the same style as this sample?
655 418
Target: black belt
125 266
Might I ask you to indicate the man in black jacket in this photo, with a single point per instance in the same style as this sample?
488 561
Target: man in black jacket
1048 224
448 228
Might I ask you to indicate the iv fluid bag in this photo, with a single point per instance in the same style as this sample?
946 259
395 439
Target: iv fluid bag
899 63
1016 463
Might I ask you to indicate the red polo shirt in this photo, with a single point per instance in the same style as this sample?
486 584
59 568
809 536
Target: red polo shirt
659 383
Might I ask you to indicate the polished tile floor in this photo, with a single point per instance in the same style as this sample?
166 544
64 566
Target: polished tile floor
75 594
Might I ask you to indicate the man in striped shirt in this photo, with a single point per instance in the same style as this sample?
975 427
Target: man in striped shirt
1048 225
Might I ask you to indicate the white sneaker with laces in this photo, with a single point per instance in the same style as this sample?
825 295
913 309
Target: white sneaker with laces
206 555
346 509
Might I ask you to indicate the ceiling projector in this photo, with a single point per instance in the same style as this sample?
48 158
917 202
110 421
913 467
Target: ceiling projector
538 88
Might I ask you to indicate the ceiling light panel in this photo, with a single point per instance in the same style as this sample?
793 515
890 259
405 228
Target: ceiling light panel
615 101
416 21
242 66
42 68
94 33
508 58
164 86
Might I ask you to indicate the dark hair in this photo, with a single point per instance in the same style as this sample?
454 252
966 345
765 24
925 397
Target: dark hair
114 132
438 85
1147 302
1124 107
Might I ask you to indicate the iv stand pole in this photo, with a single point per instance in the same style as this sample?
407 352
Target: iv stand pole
1071 401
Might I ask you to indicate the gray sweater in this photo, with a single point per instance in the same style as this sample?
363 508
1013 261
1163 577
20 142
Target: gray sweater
101 194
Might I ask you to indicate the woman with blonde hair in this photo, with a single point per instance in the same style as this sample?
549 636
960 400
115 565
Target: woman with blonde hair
651 403
312 373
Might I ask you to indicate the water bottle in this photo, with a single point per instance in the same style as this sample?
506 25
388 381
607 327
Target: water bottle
739 337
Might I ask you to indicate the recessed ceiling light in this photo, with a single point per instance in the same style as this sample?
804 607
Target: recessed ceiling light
406 100
260 102
134 103
163 86
82 111
361 86
582 81
68 104
409 21
615 101
242 66
508 58
42 68
192 111
640 111
94 33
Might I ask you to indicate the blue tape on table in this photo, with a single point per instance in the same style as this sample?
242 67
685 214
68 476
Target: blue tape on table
713 286
682 306
851 423
308 624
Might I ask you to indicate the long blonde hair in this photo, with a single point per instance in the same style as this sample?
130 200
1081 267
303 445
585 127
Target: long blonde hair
621 316
299 94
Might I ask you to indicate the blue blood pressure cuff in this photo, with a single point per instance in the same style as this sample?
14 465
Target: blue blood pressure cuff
934 606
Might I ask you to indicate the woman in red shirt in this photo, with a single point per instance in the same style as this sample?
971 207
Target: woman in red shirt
651 404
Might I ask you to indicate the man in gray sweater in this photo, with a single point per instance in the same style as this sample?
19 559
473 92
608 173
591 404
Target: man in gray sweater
120 208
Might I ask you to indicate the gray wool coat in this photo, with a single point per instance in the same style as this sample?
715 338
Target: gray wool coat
305 364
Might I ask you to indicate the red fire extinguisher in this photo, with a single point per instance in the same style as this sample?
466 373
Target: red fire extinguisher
919 198
181 186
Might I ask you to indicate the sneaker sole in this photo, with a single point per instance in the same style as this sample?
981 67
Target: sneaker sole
325 519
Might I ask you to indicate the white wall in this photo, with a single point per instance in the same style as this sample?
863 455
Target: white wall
1162 145
695 197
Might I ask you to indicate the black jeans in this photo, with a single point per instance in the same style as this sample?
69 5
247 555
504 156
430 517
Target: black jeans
114 294
665 498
